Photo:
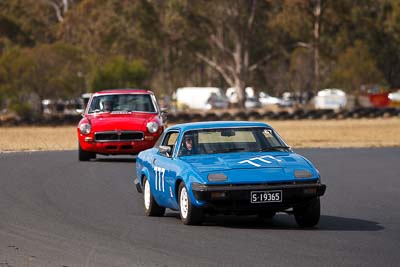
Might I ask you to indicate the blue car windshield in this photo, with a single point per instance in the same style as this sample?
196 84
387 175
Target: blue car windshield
122 103
231 140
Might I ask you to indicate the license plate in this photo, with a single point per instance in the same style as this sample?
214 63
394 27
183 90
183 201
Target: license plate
266 196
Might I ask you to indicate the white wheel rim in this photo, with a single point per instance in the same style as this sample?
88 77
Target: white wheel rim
147 195
184 203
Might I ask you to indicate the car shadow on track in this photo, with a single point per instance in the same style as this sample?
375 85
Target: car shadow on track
335 223
115 159
287 222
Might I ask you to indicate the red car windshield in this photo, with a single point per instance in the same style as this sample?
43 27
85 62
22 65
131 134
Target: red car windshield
122 103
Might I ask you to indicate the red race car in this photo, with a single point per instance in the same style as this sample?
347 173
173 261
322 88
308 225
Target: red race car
121 121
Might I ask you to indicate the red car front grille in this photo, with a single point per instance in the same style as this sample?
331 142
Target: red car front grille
117 136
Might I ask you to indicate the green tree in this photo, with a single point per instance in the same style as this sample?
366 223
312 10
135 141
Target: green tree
33 18
385 40
315 25
178 66
301 78
113 27
373 22
229 37
119 73
262 43
12 32
45 71
356 67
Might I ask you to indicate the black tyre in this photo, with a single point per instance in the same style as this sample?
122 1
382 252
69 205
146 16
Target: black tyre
267 215
309 214
85 155
151 208
190 215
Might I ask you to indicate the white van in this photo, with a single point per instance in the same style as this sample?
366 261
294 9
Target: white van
203 98
330 99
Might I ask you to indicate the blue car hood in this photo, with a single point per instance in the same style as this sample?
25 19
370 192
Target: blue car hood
251 167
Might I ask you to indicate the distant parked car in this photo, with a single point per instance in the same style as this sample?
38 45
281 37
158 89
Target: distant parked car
251 101
122 121
216 101
267 100
202 98
330 99
227 167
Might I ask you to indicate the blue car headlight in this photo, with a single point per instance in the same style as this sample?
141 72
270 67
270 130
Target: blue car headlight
217 177
303 174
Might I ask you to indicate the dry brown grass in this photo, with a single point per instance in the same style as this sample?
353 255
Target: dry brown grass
38 138
383 132
298 134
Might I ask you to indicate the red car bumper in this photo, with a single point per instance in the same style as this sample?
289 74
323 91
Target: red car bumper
117 147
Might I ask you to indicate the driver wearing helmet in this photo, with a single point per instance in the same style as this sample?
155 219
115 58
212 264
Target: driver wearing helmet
106 104
187 146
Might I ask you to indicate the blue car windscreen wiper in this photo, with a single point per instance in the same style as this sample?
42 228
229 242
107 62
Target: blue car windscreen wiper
232 149
275 148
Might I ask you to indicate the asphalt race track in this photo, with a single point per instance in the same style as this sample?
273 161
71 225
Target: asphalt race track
56 211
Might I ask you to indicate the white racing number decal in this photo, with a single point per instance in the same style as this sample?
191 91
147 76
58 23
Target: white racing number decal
259 160
160 182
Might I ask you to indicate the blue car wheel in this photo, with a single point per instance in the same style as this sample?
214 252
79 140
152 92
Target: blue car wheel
190 215
309 214
266 215
151 207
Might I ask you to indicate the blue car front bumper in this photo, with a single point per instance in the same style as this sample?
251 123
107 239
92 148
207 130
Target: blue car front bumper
233 197
138 186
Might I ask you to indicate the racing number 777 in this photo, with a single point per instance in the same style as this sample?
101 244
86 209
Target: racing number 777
160 181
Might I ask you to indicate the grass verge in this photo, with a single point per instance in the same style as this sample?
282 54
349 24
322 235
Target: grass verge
382 132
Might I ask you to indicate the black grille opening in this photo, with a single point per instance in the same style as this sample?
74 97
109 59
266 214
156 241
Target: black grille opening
107 136
131 136
119 136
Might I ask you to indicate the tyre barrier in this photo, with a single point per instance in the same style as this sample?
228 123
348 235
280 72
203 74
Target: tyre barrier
252 115
297 114
240 115
226 116
47 120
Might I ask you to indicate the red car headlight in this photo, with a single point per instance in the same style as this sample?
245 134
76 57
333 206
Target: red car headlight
85 128
152 127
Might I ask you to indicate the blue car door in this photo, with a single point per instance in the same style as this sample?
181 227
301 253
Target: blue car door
165 169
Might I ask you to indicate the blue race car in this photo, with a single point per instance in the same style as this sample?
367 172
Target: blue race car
227 167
